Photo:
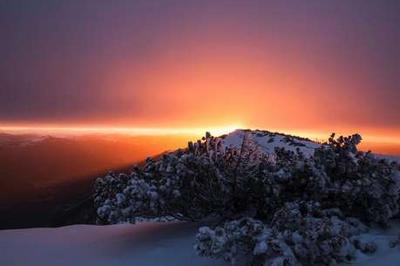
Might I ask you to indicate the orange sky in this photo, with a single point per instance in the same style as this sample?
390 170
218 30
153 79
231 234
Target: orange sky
308 67
381 141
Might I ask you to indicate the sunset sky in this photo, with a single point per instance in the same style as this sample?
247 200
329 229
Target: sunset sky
306 66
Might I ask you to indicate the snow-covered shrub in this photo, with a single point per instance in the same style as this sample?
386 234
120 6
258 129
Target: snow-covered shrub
284 208
358 183
204 179
242 237
108 192
300 233
337 176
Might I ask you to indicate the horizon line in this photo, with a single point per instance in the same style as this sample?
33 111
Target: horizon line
77 130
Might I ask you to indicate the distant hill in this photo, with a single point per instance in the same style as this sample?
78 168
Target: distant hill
41 175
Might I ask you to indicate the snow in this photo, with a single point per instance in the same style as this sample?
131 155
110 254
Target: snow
145 244
260 248
268 141
384 255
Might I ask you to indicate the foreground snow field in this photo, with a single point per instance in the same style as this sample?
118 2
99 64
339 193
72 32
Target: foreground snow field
146 244
142 244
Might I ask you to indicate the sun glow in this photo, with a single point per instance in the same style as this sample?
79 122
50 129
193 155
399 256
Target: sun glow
133 131
58 130
376 140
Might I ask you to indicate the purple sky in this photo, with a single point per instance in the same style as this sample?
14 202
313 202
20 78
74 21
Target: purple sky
267 63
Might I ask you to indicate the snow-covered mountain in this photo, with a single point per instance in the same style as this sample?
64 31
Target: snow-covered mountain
267 141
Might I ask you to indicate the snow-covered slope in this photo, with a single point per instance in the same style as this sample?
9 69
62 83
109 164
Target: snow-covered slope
146 244
267 141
